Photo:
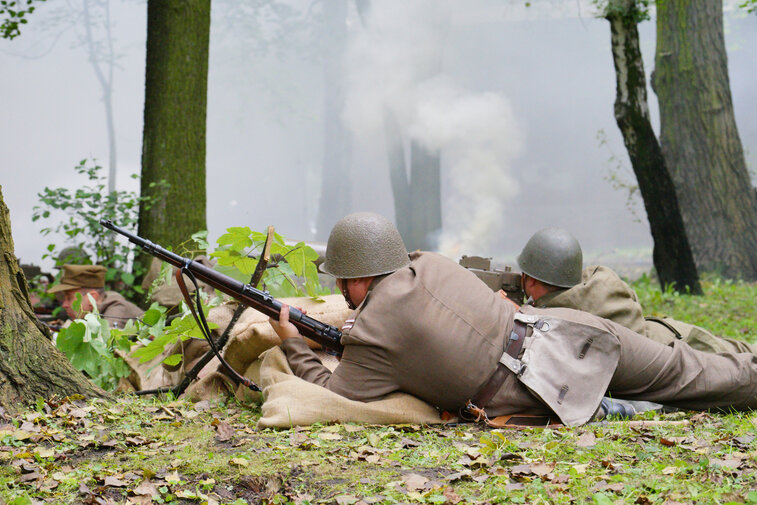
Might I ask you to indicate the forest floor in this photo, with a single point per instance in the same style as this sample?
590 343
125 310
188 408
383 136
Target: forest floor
137 450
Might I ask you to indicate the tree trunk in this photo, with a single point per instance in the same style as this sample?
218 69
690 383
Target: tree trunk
672 254
699 138
416 189
173 149
30 365
335 180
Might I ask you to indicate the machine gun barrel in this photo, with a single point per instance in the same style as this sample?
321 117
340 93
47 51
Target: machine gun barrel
328 336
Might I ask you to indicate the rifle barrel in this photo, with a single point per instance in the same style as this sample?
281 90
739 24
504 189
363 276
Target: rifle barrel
326 335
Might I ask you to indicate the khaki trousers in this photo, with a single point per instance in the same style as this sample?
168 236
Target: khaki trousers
676 375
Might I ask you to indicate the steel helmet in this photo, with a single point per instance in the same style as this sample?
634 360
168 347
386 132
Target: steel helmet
72 255
552 255
364 244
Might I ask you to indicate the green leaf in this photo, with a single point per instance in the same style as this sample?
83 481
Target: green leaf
127 278
236 237
201 239
153 315
602 499
173 360
154 348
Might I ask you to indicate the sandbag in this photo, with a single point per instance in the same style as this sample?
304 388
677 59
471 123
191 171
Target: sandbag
291 401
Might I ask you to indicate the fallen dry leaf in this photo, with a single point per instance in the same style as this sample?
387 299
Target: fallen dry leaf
172 478
28 477
580 468
414 482
224 431
146 488
587 440
345 499
451 496
543 469
114 482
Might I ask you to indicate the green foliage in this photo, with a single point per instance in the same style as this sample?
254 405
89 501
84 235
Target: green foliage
153 333
14 14
82 210
292 272
727 307
749 5
238 244
632 12
90 346
622 178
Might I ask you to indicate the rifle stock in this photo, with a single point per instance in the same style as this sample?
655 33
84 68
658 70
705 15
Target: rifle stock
328 336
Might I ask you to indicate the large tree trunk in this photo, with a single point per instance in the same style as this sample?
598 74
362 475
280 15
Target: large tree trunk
173 149
700 140
30 365
672 254
335 180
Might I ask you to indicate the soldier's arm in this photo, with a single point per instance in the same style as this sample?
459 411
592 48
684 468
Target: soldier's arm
362 374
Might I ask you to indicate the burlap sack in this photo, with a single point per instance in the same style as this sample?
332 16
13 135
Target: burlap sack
291 401
250 336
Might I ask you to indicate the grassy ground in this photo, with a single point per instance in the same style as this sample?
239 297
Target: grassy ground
147 451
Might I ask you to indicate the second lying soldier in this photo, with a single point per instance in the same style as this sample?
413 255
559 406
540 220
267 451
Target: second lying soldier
552 261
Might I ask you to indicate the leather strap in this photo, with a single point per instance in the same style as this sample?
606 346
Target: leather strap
517 421
475 405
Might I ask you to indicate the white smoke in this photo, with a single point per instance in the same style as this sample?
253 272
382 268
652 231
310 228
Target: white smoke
395 65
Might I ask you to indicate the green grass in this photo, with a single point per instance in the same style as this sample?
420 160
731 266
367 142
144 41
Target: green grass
727 308
108 452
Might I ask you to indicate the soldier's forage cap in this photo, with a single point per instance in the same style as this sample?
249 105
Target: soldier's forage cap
554 256
364 244
80 276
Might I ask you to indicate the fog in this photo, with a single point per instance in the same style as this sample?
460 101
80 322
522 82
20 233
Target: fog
519 101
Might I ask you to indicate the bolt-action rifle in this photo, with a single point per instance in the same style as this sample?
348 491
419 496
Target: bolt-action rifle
328 336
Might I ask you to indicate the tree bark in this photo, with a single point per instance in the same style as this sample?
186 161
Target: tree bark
416 189
335 180
173 149
700 140
672 254
30 365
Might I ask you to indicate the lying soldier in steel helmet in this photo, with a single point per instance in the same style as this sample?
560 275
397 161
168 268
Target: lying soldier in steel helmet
424 325
551 262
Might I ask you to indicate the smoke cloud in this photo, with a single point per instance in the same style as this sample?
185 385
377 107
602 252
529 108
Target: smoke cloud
395 67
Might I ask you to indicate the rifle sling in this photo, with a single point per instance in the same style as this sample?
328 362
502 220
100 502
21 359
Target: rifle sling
203 324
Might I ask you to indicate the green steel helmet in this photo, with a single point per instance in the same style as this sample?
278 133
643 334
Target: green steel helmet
552 255
72 255
364 244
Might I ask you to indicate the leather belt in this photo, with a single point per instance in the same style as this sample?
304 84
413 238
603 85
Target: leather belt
491 386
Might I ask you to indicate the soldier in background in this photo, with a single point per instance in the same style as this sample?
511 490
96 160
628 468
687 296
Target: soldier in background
551 263
89 280
72 255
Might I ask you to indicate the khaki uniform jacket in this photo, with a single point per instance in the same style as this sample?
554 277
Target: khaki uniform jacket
431 329
117 310
604 294
434 330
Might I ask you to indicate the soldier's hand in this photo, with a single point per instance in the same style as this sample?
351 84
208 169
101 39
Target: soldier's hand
283 328
504 296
